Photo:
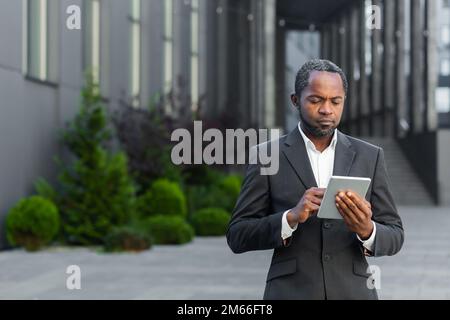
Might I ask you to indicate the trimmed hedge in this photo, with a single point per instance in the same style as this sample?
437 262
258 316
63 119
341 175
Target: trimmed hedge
168 229
127 238
210 222
232 184
201 197
222 194
32 223
163 198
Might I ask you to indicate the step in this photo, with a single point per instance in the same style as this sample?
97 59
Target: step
406 186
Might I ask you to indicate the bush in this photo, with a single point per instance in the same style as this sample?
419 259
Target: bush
202 175
96 190
127 238
45 190
232 186
211 222
169 229
32 223
163 198
220 194
144 135
95 199
201 197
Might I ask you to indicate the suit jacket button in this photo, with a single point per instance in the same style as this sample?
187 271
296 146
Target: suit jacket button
327 225
327 257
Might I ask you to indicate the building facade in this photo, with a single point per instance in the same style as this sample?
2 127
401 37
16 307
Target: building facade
398 79
214 56
219 58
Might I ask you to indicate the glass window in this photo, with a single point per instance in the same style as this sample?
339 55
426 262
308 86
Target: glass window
368 39
135 52
407 54
445 34
443 100
168 47
445 67
91 39
41 37
194 55
37 39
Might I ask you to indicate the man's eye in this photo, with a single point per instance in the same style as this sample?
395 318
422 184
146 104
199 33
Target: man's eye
314 101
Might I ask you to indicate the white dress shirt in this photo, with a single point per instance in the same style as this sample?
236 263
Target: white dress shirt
322 164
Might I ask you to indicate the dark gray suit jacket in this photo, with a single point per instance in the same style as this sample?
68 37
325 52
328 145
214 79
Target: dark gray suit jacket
323 259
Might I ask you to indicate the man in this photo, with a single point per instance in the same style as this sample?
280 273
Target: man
317 258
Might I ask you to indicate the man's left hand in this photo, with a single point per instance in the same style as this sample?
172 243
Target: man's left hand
357 213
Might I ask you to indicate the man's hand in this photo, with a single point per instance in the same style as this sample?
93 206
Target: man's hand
357 213
307 206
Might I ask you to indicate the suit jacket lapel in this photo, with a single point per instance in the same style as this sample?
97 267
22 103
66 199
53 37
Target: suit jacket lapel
295 152
344 156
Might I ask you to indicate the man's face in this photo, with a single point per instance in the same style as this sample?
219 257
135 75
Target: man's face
321 103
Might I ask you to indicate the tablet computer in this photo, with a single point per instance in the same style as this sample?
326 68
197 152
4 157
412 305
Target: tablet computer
328 208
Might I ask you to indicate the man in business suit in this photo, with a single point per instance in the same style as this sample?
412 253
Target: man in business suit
317 258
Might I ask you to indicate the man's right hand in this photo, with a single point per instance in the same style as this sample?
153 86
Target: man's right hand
307 206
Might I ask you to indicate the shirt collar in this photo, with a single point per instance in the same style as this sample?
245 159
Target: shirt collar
310 145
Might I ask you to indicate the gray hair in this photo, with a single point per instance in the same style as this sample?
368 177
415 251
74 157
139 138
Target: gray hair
302 79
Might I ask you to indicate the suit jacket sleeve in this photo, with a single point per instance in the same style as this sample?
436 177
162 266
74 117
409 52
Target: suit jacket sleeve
390 235
253 226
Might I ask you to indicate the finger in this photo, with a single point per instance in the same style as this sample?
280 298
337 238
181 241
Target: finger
347 220
360 216
315 200
318 191
362 204
358 196
346 211
310 206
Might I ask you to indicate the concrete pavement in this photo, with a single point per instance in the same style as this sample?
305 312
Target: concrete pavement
207 269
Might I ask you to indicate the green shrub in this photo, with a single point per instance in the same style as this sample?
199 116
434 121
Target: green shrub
96 192
201 197
45 190
202 175
169 229
210 222
32 223
232 186
163 198
127 238
222 194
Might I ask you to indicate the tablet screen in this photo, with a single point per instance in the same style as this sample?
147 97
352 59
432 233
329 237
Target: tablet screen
328 208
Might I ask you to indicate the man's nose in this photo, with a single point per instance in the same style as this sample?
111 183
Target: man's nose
326 108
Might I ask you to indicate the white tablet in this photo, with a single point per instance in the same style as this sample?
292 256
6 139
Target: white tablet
328 208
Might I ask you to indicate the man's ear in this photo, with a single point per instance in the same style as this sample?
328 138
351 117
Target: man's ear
295 101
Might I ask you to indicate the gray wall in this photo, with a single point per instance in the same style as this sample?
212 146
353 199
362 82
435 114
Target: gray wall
30 117
34 112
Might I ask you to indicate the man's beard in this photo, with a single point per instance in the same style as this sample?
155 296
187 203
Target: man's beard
315 131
